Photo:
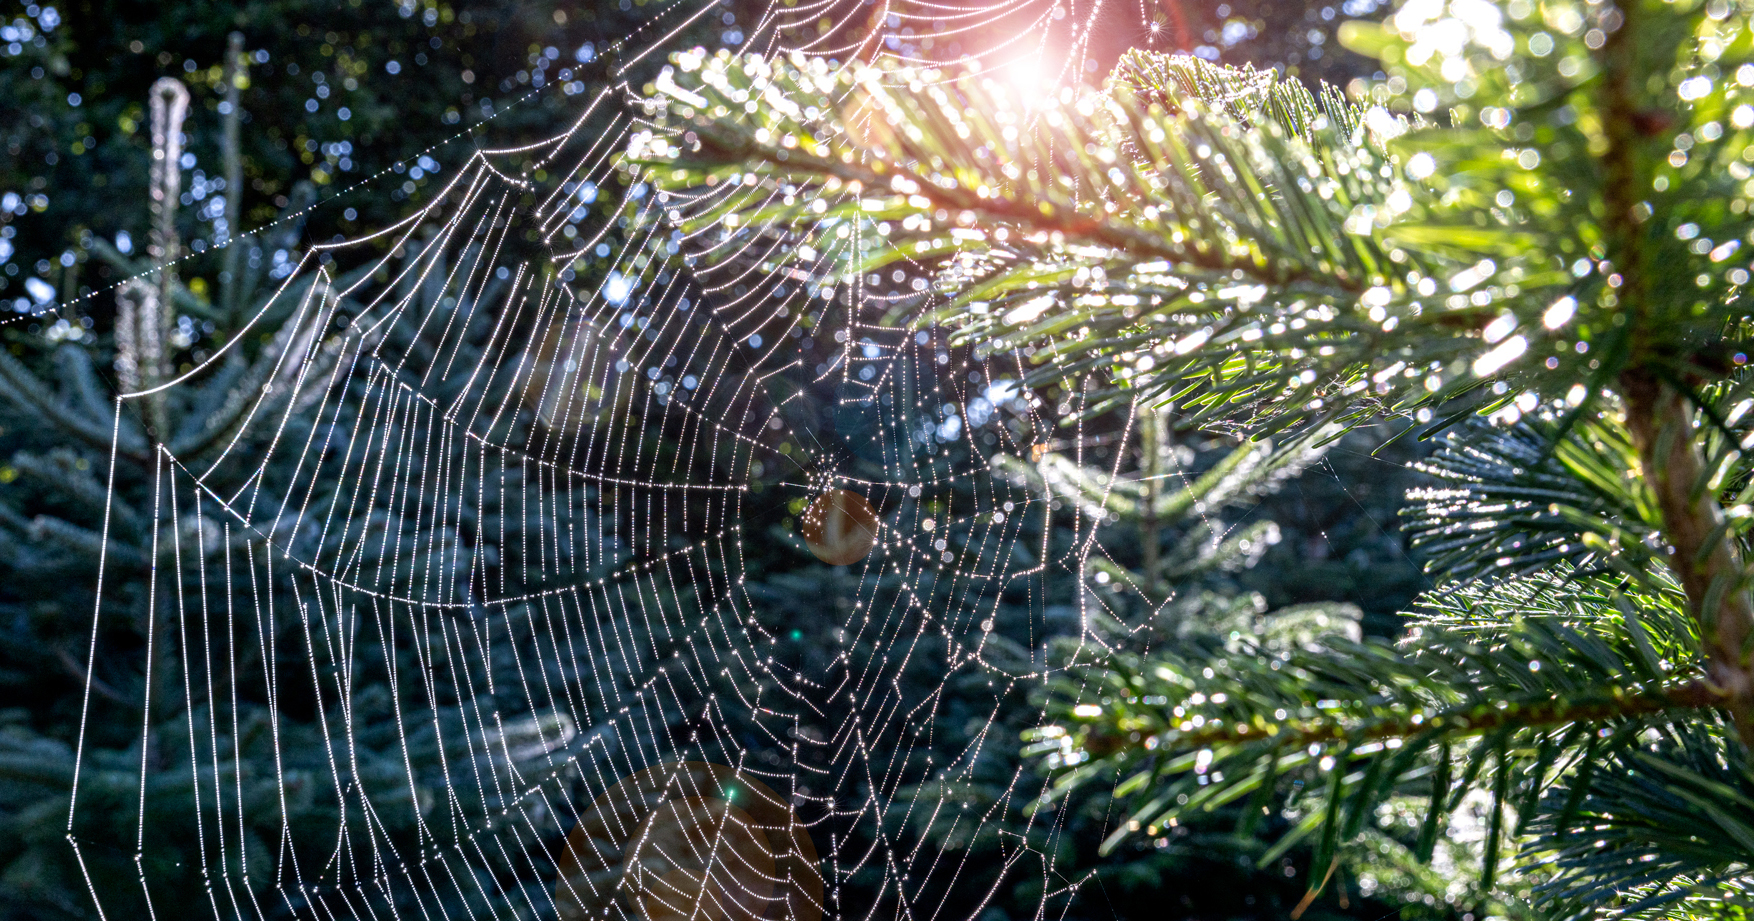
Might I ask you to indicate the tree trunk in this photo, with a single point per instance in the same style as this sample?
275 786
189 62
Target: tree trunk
1702 555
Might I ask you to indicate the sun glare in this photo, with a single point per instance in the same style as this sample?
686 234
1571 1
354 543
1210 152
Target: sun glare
1028 78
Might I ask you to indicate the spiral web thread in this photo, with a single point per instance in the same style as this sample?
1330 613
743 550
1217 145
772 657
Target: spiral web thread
495 490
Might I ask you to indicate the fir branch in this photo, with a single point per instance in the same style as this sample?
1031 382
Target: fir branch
1606 703
1193 727
20 385
69 475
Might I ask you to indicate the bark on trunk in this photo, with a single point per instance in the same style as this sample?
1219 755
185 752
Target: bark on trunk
1702 557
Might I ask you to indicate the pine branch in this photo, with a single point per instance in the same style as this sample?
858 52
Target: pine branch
1664 830
79 376
61 472
1195 728
1202 231
297 361
1534 497
19 384
1606 703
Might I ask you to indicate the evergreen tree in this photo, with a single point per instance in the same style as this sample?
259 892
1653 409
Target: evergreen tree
178 568
1534 219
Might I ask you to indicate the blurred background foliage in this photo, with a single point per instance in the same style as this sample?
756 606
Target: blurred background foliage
368 103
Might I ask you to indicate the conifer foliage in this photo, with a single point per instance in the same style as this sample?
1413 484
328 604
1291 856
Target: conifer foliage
1530 236
87 502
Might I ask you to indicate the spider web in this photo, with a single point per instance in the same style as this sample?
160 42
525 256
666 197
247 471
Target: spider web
498 489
